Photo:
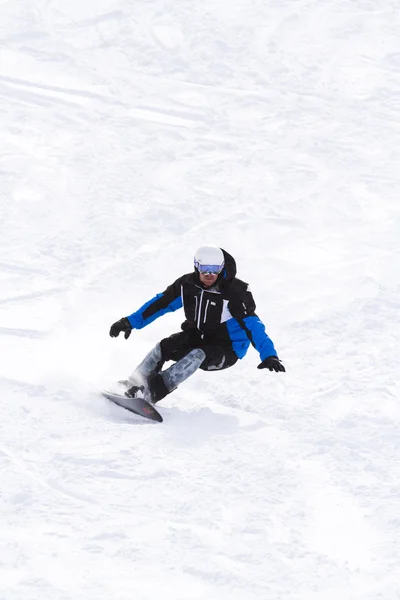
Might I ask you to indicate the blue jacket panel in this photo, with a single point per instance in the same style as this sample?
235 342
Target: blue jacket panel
139 318
239 339
260 340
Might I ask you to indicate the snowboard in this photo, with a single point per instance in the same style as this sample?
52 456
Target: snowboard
138 406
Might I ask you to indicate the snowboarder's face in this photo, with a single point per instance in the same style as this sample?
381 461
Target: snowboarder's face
208 279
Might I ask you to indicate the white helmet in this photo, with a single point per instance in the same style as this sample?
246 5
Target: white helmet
209 259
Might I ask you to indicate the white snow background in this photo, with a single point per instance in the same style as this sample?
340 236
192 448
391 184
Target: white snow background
130 134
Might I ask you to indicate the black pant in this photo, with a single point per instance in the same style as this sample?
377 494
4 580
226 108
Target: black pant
177 345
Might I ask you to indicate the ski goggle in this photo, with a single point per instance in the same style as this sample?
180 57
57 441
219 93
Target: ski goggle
208 269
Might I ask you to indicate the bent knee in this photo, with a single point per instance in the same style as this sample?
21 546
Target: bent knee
197 354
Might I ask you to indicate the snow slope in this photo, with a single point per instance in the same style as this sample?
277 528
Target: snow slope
130 134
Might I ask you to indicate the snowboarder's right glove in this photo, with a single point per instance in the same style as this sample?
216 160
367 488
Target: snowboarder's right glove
272 363
120 326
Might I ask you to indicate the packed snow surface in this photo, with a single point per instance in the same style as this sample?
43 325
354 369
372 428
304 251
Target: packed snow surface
131 133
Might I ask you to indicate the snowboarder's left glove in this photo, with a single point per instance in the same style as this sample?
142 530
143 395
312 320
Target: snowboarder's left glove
120 326
272 363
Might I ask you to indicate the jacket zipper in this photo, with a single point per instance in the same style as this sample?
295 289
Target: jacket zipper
199 310
205 312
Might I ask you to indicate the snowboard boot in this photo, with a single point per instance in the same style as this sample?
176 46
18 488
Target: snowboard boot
157 389
136 391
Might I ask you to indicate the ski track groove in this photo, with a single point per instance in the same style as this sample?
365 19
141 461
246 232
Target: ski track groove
110 508
34 99
24 333
46 483
22 269
76 497
32 295
13 81
104 18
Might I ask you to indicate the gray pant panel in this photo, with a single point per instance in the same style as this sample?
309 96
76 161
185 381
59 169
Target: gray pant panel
183 368
150 366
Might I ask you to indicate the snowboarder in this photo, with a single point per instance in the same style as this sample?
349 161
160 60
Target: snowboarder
220 325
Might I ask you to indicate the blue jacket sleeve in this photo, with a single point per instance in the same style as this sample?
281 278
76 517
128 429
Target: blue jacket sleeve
243 309
168 301
255 330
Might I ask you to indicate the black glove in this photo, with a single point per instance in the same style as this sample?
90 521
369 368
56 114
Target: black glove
272 363
121 325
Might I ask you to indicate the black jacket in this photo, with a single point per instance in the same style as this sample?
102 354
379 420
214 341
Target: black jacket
224 314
